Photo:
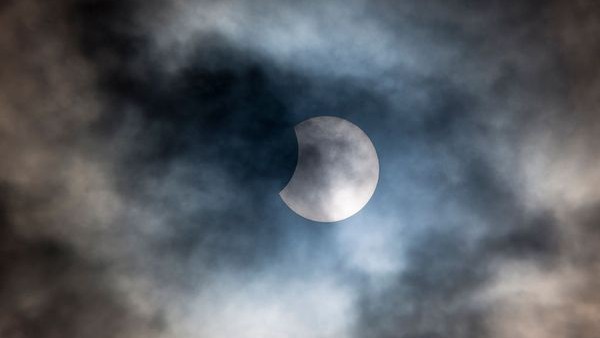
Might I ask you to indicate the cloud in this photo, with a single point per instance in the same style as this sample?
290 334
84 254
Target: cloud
268 306
144 145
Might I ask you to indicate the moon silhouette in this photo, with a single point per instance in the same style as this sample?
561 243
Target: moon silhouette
336 173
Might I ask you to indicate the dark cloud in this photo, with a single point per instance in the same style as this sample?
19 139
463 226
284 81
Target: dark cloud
50 290
144 145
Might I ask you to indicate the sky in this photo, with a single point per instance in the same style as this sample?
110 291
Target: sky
143 146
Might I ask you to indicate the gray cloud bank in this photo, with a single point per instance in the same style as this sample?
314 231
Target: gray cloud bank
144 143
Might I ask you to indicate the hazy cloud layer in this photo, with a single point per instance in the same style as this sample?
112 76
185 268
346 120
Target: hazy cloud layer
144 144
